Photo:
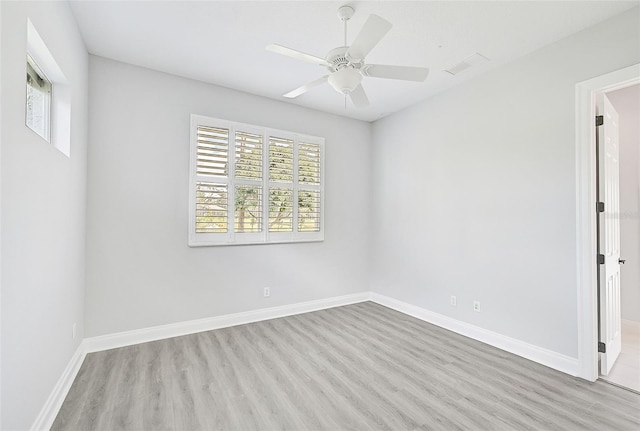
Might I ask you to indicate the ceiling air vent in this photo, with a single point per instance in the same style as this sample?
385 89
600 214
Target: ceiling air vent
467 63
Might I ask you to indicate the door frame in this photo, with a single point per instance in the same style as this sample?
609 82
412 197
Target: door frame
586 216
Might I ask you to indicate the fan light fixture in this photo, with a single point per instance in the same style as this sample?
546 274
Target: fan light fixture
345 81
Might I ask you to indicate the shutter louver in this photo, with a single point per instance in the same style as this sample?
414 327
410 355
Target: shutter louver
211 208
248 156
280 160
309 163
309 210
212 151
248 209
280 210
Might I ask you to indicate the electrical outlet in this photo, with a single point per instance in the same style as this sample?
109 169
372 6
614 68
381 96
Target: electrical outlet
73 331
454 301
267 292
476 306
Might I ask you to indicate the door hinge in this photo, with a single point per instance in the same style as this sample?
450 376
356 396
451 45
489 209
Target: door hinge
599 120
600 206
601 259
602 348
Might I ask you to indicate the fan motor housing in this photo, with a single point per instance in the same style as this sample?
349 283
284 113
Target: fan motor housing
338 59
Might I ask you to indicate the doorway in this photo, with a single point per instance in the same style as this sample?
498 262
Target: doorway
586 215
625 371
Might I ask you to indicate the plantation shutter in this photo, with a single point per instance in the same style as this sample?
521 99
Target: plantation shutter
309 194
213 151
251 185
248 209
248 156
248 193
280 209
211 208
212 162
281 197
280 160
309 164
309 210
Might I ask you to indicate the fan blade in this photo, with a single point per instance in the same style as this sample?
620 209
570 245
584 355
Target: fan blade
301 90
405 73
359 97
373 31
298 55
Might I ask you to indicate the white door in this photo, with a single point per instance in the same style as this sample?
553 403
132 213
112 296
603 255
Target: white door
609 180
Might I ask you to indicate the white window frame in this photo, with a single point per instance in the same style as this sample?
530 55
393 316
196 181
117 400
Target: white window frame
264 236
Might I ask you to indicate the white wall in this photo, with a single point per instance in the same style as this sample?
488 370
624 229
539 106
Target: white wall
140 271
43 217
627 103
475 191
0 218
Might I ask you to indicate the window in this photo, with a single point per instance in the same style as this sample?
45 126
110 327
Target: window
251 185
38 115
48 94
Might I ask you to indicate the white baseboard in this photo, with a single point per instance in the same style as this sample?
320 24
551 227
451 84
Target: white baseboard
551 359
49 411
128 338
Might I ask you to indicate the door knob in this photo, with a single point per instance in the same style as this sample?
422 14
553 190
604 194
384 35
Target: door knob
622 261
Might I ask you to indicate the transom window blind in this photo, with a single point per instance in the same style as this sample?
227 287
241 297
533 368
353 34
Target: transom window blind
252 185
38 102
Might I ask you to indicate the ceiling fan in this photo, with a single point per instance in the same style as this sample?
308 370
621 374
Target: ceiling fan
346 63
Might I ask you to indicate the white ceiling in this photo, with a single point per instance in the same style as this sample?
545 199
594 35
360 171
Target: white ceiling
223 42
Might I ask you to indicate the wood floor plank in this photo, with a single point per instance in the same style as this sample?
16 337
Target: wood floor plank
361 366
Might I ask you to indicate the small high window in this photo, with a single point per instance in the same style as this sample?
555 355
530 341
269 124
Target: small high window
48 94
38 112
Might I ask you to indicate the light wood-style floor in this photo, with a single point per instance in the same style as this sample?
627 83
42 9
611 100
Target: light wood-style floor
356 367
626 369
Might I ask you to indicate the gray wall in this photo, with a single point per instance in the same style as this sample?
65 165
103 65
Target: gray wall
43 217
140 271
475 191
627 103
